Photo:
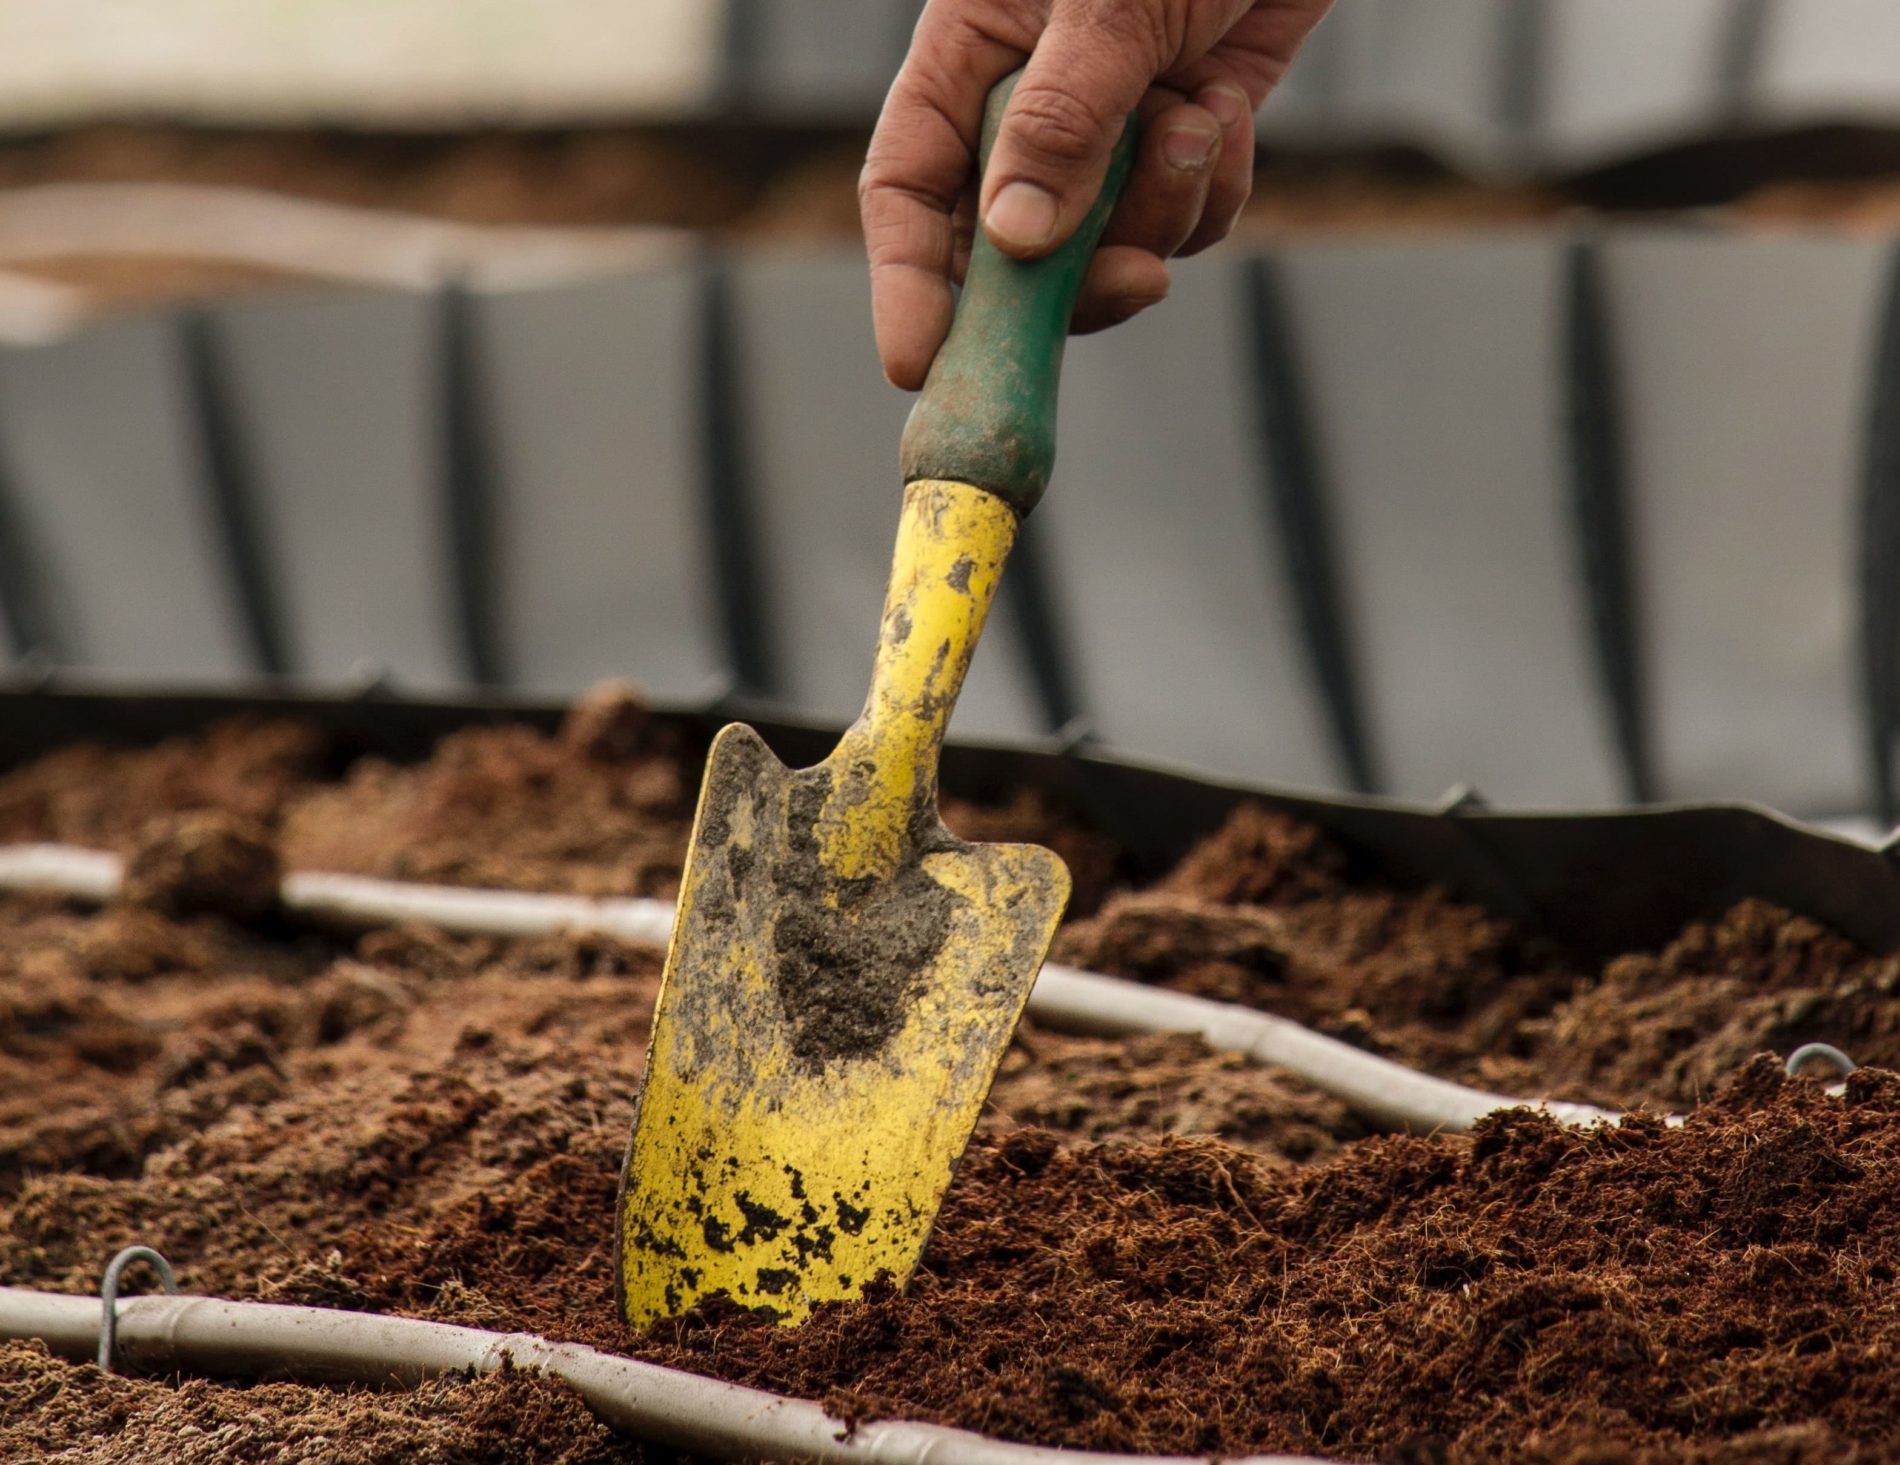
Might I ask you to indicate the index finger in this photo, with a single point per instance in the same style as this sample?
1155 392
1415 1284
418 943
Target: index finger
921 162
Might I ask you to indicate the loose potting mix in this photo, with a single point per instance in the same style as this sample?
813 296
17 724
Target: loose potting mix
1150 1247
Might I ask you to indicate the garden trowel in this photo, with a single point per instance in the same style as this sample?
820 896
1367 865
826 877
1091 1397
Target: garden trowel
845 974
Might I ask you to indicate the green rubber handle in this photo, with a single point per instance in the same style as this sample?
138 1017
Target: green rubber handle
987 415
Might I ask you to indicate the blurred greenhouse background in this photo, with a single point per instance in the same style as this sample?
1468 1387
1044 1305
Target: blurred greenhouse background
1540 432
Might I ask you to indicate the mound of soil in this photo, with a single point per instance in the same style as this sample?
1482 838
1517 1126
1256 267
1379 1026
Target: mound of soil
1266 913
1714 1286
602 807
1150 1246
1099 1088
53 1410
1709 1287
103 796
1673 1025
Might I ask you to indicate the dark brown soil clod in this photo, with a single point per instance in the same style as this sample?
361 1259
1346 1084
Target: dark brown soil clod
848 953
205 864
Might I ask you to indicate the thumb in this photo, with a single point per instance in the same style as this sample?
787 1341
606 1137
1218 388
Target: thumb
1088 72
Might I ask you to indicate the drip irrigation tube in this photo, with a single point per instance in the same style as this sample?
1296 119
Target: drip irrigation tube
1379 1089
249 226
1065 998
34 310
666 1406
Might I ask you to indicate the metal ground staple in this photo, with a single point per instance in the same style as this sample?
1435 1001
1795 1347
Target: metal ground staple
109 1295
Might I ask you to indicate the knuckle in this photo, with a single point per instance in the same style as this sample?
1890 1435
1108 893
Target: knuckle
1057 126
881 205
890 237
1154 25
907 237
1216 223
904 166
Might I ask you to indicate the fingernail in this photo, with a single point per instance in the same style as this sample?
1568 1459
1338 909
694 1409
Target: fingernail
1187 149
1023 215
1227 102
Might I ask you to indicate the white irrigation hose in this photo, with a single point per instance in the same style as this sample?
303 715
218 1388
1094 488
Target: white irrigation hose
34 310
357 900
256 228
681 1410
1376 1087
1079 1001
60 869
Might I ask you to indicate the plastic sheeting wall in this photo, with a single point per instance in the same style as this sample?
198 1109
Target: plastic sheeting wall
1437 390
414 63
592 396
1340 516
110 509
1495 84
332 415
821 429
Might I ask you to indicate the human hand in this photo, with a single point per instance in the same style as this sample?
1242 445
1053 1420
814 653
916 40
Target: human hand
1193 70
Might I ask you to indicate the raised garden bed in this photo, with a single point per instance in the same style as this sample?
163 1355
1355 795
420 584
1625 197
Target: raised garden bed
1152 1247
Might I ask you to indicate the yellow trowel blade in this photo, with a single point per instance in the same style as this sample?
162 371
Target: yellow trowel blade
844 974
822 1045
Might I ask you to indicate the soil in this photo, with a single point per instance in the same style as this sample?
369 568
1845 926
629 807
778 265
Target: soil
692 178
1707 1287
205 862
780 187
790 183
1268 915
604 807
1264 913
54 1410
1149 1247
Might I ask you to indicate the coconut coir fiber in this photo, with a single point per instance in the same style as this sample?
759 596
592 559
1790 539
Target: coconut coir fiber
449 1149
1527 1292
1269 914
1645 1286
427 1125
604 807
1265 913
51 1410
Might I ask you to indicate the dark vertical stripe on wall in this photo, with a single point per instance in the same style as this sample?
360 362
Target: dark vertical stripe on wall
469 490
230 480
1294 489
1027 600
1741 50
729 497
1599 492
1523 55
1880 555
25 590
